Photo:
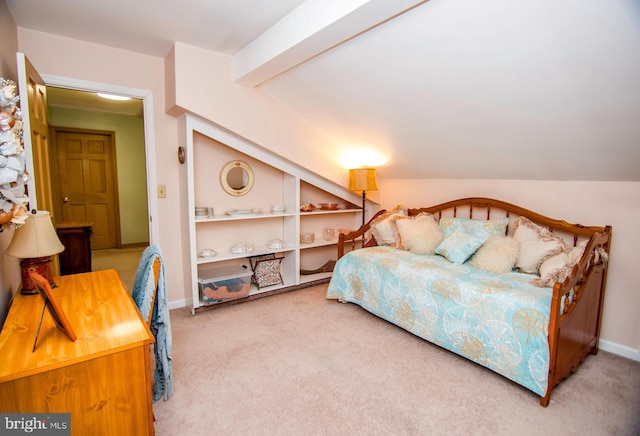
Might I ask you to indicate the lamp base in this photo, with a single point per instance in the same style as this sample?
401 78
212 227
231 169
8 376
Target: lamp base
41 265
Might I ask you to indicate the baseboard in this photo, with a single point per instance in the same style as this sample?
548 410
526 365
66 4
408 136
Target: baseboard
134 245
177 304
620 350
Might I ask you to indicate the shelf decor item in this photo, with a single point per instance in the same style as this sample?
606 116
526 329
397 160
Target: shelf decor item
363 179
307 238
276 244
236 178
207 252
278 208
328 233
305 206
242 248
266 270
328 206
217 284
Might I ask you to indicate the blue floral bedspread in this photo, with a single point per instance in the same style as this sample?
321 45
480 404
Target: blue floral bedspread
498 321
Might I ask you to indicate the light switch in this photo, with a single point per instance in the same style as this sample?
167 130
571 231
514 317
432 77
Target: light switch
162 191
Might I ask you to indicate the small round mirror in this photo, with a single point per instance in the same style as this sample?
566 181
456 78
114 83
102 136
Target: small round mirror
236 178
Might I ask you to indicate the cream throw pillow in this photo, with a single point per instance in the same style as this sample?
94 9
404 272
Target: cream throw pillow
558 267
381 228
418 234
497 255
537 244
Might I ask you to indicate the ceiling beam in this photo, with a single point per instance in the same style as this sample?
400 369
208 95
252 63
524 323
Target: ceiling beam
309 30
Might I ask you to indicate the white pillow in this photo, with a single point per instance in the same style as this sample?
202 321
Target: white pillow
536 245
534 253
497 255
418 234
576 252
558 267
381 228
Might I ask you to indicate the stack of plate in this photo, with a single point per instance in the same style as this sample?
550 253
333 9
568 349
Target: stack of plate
202 212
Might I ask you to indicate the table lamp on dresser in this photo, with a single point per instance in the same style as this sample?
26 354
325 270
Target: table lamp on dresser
35 242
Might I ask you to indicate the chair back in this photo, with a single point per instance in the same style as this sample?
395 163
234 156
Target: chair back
157 263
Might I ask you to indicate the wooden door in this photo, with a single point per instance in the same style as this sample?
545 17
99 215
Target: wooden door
33 103
87 183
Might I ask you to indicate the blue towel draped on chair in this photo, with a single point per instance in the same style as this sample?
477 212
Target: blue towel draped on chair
160 325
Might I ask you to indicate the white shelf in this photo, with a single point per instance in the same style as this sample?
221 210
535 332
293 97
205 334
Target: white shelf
208 149
218 218
314 277
323 212
318 243
258 251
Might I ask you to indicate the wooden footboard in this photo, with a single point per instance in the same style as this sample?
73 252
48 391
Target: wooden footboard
576 306
576 312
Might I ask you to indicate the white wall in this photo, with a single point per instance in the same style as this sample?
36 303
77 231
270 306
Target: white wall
203 86
588 203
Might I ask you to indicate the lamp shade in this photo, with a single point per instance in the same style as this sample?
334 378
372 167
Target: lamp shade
35 238
363 179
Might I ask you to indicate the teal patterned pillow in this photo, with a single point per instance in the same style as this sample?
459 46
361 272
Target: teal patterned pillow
459 245
477 227
464 236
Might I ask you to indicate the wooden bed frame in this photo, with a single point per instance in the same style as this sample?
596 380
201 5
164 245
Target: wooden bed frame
575 317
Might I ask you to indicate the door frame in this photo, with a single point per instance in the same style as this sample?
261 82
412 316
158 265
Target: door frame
149 134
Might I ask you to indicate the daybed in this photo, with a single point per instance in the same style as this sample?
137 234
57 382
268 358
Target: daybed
505 287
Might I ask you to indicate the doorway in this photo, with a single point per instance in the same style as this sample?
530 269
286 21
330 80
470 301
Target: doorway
73 111
32 85
149 175
133 167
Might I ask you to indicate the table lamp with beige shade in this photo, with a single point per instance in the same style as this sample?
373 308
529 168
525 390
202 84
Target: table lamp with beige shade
35 242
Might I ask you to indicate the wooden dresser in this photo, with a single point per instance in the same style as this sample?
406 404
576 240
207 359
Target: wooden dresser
103 378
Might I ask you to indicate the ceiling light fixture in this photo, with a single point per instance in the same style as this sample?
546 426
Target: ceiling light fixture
113 97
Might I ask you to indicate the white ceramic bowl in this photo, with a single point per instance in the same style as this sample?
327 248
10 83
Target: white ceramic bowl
242 248
207 252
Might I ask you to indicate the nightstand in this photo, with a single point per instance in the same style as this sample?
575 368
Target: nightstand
76 238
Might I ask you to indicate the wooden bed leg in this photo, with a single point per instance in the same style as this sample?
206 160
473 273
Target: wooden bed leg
544 401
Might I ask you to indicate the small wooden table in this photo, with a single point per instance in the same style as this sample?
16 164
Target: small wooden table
103 378
76 238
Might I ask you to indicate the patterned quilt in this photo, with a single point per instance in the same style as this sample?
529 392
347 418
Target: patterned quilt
498 321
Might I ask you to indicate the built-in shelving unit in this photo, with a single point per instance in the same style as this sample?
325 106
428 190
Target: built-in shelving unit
277 181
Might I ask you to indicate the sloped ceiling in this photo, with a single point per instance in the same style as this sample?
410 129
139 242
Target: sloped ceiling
540 90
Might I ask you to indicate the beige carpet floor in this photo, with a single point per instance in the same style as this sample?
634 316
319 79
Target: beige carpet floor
298 364
124 260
